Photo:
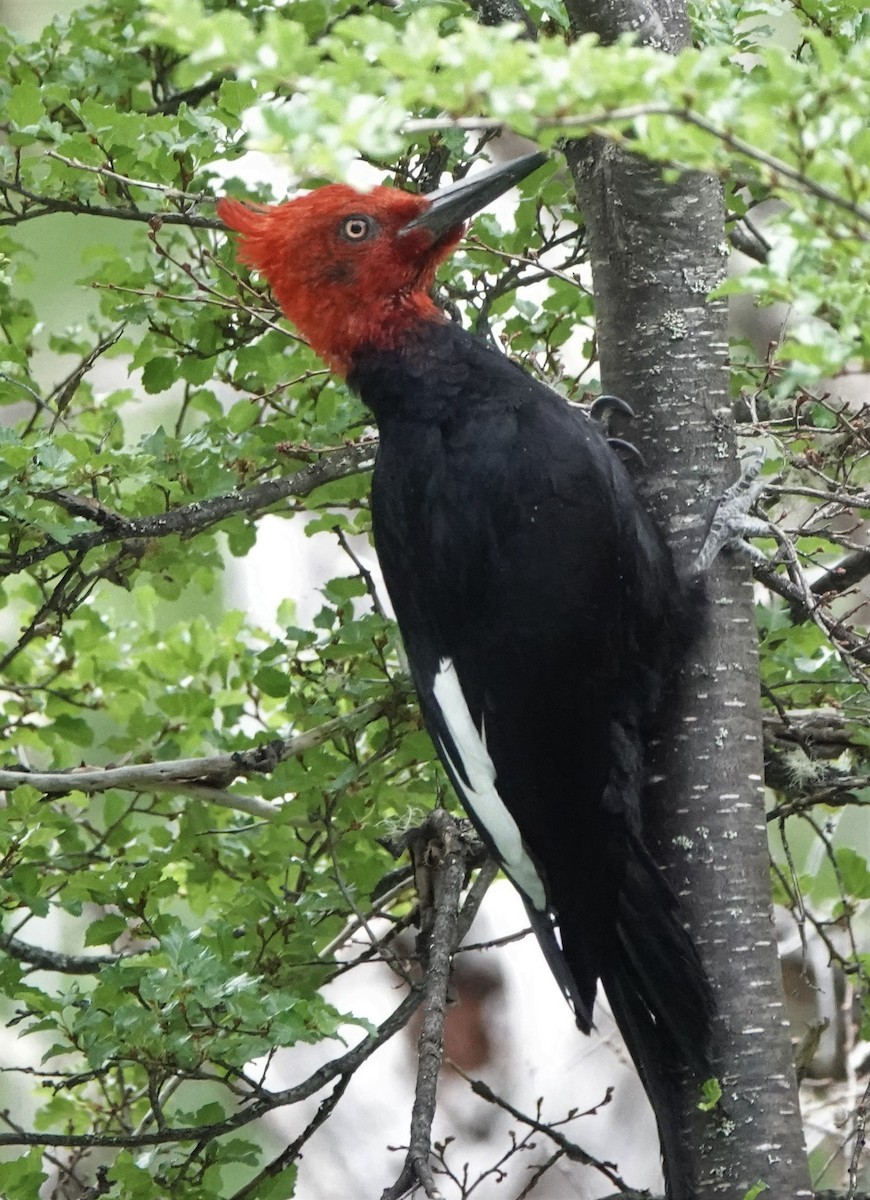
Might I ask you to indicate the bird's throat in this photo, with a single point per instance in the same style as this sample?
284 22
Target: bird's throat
338 332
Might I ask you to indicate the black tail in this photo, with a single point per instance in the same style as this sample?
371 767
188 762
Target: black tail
662 1003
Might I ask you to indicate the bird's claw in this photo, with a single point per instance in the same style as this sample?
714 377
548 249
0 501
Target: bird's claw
599 410
620 444
732 523
604 404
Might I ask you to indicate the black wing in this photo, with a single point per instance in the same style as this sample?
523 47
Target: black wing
532 592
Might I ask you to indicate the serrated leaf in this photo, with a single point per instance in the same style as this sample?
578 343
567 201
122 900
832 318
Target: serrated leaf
105 930
272 681
279 1187
25 106
22 1178
159 374
854 872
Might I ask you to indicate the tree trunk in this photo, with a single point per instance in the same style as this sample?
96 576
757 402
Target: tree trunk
656 250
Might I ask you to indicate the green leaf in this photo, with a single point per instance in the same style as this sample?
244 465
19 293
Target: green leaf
74 729
24 106
21 1178
272 682
755 1191
854 872
105 930
135 1182
159 374
711 1092
279 1187
242 416
236 95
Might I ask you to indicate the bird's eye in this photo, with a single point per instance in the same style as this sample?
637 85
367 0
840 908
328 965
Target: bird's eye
356 228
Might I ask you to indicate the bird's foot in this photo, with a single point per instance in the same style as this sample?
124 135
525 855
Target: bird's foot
599 410
606 404
732 523
627 451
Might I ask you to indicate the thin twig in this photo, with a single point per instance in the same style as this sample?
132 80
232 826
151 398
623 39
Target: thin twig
598 121
170 193
53 204
202 514
796 893
201 777
808 607
545 272
343 1066
860 1142
363 571
570 1149
440 841
252 1189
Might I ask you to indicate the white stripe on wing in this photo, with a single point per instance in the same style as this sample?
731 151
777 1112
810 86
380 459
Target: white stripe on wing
480 795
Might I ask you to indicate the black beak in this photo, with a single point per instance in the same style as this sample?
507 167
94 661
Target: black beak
454 204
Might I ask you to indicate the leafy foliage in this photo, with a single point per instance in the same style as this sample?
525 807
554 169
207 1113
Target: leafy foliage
184 411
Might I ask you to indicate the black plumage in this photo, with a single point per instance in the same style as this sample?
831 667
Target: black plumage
514 547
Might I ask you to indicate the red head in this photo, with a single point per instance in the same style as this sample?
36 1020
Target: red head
353 269
338 266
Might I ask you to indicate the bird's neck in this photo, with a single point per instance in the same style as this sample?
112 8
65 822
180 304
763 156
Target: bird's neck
428 377
340 332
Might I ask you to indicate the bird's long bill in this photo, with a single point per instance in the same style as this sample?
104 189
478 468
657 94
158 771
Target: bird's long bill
453 205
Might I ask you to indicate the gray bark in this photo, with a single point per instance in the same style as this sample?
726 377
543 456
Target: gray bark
496 12
656 250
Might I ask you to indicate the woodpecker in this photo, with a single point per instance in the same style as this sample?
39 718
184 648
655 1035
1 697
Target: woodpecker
538 602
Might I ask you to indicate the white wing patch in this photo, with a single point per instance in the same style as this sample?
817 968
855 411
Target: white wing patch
480 796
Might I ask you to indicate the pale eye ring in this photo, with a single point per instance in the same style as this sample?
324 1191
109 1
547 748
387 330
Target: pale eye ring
357 227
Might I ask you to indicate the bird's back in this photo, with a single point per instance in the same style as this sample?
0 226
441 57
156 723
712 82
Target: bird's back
513 545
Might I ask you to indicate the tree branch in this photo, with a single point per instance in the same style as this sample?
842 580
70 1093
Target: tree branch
570 1149
747 243
202 514
53 960
200 777
860 1142
838 795
846 574
252 1189
438 842
600 122
851 644
48 205
168 193
339 1068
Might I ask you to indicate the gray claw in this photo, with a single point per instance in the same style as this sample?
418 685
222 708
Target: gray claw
629 449
603 404
732 524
